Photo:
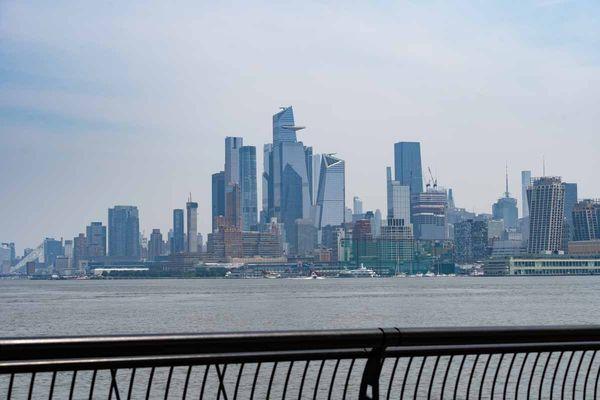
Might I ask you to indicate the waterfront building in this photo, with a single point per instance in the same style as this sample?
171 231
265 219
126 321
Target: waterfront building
52 249
396 244
555 264
331 195
505 248
585 247
192 226
470 241
586 220
398 199
123 232
429 218
61 265
331 238
80 252
218 197
95 234
229 245
407 165
178 238
546 198
155 245
525 183
8 253
249 207
506 209
306 238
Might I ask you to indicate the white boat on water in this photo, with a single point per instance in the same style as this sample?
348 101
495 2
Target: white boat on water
313 275
271 275
361 272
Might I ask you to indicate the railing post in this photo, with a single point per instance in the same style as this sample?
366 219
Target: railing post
371 373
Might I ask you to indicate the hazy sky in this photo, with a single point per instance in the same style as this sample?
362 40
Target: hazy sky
105 103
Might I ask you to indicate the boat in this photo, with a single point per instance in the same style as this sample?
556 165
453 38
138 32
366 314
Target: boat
361 272
271 275
314 275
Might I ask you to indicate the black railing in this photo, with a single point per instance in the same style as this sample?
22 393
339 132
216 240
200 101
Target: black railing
490 363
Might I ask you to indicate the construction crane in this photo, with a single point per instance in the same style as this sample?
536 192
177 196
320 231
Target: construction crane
433 180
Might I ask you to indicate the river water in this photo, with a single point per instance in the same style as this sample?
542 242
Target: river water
34 308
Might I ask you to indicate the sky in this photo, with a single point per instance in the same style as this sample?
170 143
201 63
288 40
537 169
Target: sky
105 103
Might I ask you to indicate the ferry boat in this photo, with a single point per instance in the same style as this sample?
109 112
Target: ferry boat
361 272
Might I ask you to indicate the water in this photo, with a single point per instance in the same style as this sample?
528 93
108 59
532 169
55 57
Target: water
34 308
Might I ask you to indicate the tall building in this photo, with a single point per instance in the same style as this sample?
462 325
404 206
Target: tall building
407 165
570 201
232 159
248 187
429 214
95 234
284 128
80 251
192 226
546 201
332 192
218 197
357 205
398 199
52 249
267 186
525 182
123 232
155 245
178 240
506 209
316 173
470 240
233 216
586 220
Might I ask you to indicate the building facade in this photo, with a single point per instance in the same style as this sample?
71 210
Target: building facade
546 197
407 165
218 197
192 226
123 232
178 239
95 234
249 206
331 203
586 220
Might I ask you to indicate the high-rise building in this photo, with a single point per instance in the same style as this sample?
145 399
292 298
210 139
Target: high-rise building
284 128
178 239
155 245
398 199
525 182
8 253
233 216
192 226
470 240
52 249
357 205
232 159
316 173
396 243
80 247
506 209
218 197
95 234
123 232
546 201
267 186
586 220
306 237
429 217
248 187
332 192
570 201
407 165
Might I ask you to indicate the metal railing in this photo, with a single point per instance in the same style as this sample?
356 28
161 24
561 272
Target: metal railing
469 363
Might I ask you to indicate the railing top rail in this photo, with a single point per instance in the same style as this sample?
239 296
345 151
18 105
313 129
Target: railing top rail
43 348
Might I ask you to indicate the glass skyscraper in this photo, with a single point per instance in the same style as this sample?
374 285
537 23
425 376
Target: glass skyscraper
407 165
95 234
177 243
123 232
218 197
248 187
331 196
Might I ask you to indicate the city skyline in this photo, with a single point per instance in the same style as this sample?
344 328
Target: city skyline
106 127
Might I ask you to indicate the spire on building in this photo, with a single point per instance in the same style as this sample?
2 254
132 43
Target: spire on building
506 193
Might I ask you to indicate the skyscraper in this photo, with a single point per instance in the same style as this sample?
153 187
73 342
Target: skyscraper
546 201
178 243
332 192
52 249
428 214
570 201
123 232
233 209
586 220
155 245
284 129
248 187
95 235
192 226
525 182
232 159
398 199
80 251
506 209
407 164
218 197
357 204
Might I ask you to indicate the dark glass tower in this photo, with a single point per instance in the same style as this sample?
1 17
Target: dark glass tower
218 196
123 232
178 242
407 165
248 187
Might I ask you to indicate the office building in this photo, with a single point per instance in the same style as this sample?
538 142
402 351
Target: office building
8 253
396 244
80 255
123 232
178 239
429 217
316 172
52 249
398 199
232 159
306 238
407 165
248 189
218 197
586 220
155 245
192 226
506 209
554 264
332 192
357 205
233 216
570 201
546 197
525 182
95 234
470 241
